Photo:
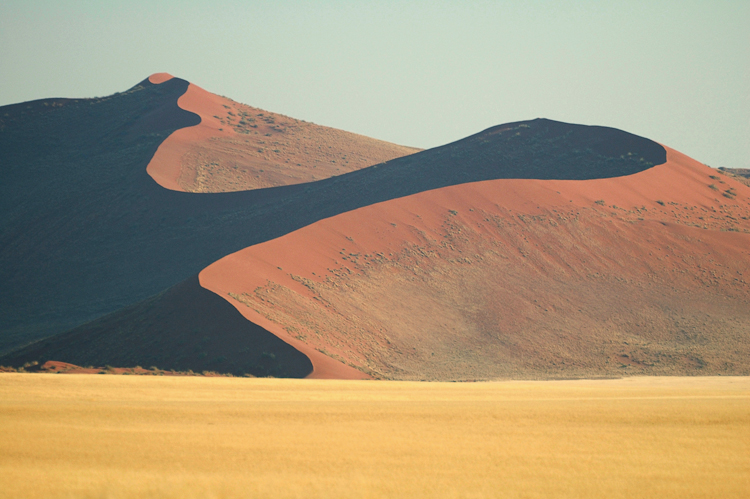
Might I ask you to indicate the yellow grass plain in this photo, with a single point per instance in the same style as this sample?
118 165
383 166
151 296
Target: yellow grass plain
96 436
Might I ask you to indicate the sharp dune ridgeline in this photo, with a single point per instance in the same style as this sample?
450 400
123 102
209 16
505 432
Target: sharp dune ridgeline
171 227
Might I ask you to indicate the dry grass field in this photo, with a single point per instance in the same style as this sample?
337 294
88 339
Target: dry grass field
135 436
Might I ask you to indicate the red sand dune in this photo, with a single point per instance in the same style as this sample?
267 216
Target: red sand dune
237 147
642 274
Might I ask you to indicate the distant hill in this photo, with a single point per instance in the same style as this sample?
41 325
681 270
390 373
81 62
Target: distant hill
740 174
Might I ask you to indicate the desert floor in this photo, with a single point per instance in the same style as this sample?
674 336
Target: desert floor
148 436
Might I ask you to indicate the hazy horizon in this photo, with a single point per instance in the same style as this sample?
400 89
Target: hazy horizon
421 74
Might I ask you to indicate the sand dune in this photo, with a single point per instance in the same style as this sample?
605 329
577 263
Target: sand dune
646 273
530 249
112 237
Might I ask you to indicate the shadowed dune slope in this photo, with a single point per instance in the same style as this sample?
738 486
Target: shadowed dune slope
236 147
73 188
183 328
86 231
644 274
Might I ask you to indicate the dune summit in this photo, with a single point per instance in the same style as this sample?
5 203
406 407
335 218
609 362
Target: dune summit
533 249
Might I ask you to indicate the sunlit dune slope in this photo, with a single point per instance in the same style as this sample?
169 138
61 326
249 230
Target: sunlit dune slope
236 147
642 274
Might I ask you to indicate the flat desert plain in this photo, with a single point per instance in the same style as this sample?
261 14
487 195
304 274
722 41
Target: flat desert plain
184 437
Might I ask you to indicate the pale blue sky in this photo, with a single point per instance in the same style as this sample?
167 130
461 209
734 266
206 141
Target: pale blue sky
414 73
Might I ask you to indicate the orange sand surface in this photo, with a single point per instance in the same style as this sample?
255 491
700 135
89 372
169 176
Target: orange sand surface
510 278
94 436
237 147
